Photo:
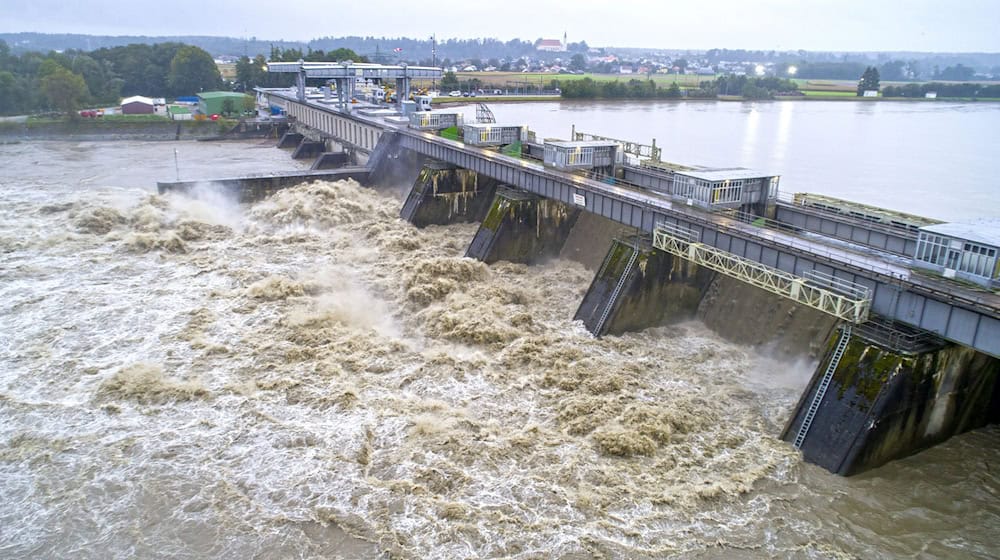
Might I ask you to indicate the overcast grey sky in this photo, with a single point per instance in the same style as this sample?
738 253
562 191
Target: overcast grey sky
841 25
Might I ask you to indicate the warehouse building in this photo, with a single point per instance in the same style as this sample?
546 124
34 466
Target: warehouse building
214 102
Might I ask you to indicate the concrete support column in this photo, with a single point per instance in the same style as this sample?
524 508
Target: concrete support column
308 149
638 287
290 140
445 194
883 404
330 160
522 227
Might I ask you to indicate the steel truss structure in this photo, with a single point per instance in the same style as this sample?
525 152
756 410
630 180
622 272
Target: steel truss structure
844 300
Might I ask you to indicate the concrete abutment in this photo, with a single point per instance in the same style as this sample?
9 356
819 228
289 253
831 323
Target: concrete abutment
523 228
445 194
883 404
638 287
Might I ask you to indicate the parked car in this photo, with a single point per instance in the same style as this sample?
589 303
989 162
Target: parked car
497 92
465 94
455 93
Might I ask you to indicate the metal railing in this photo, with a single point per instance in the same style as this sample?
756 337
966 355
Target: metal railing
896 337
842 300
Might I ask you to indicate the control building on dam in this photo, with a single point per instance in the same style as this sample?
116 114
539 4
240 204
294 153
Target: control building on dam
902 312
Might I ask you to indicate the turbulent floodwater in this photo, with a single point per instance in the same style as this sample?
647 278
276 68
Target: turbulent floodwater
311 377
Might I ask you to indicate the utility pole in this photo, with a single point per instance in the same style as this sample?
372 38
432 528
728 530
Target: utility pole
433 60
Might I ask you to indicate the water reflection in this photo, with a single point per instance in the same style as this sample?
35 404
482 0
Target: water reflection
750 133
780 147
894 154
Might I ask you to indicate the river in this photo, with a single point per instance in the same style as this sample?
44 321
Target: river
932 159
309 377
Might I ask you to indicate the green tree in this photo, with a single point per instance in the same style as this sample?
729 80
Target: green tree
869 81
249 104
64 90
192 70
578 62
449 81
956 73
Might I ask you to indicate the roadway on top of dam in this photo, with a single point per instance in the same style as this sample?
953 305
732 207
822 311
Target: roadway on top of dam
951 310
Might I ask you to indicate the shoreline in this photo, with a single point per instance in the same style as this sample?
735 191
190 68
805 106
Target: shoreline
14 131
726 99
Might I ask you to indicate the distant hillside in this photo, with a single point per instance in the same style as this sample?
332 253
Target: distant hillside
375 48
217 46
381 49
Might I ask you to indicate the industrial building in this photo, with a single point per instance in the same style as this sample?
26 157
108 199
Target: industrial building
137 105
961 250
715 189
213 102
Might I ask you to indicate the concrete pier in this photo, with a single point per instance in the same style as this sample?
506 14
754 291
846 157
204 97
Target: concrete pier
884 403
522 227
638 287
393 166
308 149
445 194
330 160
290 139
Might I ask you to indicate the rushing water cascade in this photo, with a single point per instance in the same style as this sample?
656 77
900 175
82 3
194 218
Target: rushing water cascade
309 376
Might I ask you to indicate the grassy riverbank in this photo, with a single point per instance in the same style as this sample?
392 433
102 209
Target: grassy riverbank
111 127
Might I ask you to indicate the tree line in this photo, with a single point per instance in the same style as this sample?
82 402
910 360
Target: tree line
745 86
970 90
35 82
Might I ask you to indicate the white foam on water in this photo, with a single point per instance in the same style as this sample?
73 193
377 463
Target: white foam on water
311 377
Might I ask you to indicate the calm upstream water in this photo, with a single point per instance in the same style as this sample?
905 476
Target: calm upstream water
932 159
310 377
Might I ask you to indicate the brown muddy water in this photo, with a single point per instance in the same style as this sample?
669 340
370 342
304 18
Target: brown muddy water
310 377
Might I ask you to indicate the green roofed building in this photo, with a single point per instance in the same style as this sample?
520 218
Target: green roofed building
212 102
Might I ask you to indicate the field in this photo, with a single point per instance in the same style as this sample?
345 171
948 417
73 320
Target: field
829 93
227 70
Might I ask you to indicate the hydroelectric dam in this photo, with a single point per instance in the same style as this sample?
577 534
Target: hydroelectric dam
902 311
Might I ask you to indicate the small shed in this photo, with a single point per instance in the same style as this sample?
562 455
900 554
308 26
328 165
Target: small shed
962 250
581 155
491 134
715 189
435 120
137 105
214 102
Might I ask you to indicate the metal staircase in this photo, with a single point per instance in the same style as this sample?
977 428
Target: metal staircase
617 291
838 353
484 114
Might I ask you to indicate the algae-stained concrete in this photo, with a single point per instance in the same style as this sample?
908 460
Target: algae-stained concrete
522 228
652 289
444 194
883 404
